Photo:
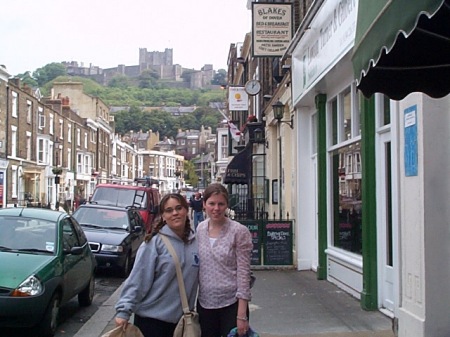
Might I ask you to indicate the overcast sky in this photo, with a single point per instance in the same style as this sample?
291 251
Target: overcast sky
107 33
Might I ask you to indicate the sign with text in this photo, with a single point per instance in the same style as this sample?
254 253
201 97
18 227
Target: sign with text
330 35
278 243
271 28
411 141
254 229
237 99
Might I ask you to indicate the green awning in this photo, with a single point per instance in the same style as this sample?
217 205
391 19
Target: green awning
403 46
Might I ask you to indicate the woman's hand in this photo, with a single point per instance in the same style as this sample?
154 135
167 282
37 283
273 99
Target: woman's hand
121 322
242 327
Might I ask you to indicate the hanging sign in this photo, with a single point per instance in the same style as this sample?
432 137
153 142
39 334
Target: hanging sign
237 99
271 28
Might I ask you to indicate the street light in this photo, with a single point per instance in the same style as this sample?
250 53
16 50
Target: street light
56 170
278 113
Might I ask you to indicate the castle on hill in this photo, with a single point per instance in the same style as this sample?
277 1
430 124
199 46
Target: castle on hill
160 62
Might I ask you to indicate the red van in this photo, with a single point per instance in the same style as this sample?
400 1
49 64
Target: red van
141 194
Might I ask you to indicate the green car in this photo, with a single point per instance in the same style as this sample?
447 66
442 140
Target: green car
45 261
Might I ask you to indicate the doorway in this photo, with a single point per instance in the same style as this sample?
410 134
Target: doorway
385 222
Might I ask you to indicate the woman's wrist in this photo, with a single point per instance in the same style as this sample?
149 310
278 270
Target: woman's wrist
242 318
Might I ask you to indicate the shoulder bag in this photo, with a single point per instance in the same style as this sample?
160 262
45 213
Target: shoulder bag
188 325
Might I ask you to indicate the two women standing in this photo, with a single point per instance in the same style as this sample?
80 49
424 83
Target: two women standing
219 258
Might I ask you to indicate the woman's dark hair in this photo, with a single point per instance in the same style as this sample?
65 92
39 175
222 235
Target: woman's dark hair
214 189
162 223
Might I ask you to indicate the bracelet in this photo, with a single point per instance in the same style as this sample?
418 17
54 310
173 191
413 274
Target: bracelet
242 318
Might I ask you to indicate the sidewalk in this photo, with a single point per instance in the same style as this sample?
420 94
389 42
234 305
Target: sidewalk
286 303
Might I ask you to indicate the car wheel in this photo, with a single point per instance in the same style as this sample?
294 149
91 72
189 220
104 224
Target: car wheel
126 269
49 322
87 295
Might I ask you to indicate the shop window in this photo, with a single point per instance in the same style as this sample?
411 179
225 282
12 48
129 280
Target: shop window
345 165
346 204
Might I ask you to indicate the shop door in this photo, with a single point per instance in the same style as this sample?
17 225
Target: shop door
385 223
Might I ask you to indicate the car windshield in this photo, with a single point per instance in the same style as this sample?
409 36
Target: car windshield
104 218
118 197
27 234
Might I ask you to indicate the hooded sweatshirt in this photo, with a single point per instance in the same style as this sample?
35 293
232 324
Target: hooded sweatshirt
151 290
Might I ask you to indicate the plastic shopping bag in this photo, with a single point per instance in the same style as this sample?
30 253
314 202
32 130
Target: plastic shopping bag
131 331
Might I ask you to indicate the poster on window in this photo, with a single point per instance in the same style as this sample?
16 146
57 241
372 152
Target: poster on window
271 28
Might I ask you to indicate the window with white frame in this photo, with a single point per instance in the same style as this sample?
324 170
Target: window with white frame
79 162
69 133
43 150
344 139
14 181
87 164
51 128
28 134
85 140
61 129
224 147
13 141
93 134
69 159
41 118
14 105
29 111
78 137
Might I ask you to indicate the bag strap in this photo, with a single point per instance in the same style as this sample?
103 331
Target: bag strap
181 288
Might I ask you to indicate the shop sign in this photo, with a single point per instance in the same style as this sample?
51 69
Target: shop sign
237 99
271 28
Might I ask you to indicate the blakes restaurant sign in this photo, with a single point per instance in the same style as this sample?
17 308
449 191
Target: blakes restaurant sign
272 28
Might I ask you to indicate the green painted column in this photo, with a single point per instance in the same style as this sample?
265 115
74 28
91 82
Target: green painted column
321 101
369 294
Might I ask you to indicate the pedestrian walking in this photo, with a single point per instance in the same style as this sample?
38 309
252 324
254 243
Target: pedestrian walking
67 200
197 209
151 291
225 248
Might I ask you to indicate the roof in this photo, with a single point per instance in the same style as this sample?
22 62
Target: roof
30 212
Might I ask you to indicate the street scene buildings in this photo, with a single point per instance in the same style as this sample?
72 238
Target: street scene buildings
335 149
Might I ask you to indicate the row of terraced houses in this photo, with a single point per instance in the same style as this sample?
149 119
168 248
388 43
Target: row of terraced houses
71 135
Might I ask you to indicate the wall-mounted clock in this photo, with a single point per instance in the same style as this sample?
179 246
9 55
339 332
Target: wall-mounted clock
253 87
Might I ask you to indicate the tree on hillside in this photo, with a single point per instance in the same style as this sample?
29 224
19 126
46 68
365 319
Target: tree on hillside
49 72
187 122
190 176
119 81
220 77
128 120
28 79
161 121
148 79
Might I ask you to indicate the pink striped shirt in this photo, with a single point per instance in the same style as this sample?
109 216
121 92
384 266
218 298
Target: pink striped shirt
224 266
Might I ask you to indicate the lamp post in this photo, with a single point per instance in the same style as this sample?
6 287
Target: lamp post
278 113
56 171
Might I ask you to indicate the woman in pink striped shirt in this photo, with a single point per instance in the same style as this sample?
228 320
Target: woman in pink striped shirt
225 248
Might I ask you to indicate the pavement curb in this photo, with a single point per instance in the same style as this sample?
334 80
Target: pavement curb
96 325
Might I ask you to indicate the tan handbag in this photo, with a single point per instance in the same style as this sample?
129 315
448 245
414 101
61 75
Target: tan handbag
188 325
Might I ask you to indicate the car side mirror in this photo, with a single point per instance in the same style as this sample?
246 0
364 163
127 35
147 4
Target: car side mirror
138 229
74 251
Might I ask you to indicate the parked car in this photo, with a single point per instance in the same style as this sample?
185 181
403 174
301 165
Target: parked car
45 260
114 234
139 194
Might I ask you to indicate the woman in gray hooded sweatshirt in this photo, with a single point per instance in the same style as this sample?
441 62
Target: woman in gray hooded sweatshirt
151 291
